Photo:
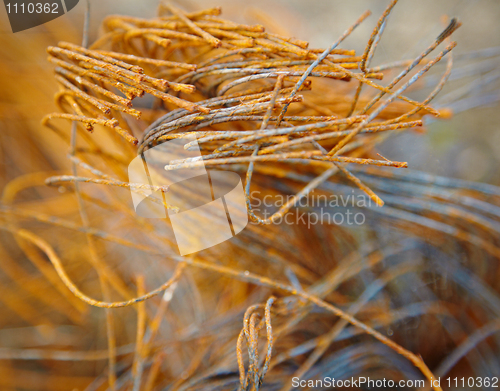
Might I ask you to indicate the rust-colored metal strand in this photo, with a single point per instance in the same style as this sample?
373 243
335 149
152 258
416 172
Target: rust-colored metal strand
362 65
368 58
202 33
368 82
272 101
150 90
100 56
321 58
134 113
360 184
68 178
100 104
307 139
239 357
54 50
54 259
350 136
431 96
110 123
129 91
70 75
270 339
446 33
151 61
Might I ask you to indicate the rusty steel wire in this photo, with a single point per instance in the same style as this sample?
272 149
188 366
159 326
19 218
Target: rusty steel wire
228 82
276 302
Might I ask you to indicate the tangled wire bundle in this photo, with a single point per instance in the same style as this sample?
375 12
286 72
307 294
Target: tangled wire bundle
239 90
291 118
